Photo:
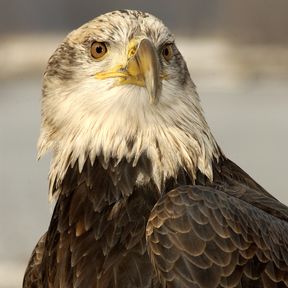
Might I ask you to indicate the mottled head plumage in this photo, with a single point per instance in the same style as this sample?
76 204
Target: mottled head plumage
84 117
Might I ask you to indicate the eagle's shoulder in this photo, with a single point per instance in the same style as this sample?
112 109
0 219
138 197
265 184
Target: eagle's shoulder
199 231
230 178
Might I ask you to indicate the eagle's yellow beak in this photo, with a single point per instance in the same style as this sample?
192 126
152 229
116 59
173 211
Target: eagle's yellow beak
142 68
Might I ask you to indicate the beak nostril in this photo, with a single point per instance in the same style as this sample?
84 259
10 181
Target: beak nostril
133 46
132 52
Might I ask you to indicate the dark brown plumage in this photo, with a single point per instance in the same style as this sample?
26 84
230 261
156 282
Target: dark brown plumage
231 230
224 234
144 196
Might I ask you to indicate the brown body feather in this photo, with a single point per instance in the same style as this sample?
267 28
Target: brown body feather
231 230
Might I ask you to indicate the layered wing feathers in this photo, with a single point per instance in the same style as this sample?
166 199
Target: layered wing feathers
200 237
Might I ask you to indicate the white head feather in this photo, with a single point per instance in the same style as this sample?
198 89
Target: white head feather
86 117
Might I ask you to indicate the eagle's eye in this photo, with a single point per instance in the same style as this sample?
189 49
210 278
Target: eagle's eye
98 50
167 52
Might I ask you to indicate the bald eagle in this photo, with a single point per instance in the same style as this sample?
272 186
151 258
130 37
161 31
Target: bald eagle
144 195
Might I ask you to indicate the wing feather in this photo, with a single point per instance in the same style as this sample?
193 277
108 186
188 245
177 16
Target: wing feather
202 231
32 274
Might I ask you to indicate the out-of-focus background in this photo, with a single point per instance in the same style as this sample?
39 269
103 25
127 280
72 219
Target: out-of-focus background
237 53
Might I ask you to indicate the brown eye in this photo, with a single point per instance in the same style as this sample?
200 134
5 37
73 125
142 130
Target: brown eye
98 50
167 52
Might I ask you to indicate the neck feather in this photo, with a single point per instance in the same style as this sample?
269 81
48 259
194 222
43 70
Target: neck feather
172 135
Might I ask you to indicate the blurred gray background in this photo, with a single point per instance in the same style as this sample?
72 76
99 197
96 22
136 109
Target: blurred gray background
237 53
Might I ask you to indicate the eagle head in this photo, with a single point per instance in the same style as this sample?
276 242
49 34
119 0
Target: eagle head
118 87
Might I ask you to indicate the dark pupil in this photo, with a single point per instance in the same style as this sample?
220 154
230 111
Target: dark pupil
166 51
99 49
